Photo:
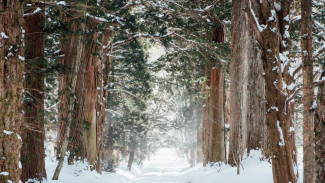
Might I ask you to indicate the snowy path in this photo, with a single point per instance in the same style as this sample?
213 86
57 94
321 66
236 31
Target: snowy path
167 167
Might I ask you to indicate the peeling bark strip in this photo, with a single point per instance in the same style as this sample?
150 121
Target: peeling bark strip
33 133
308 90
271 25
11 85
320 132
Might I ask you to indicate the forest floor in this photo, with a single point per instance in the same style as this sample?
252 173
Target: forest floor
167 167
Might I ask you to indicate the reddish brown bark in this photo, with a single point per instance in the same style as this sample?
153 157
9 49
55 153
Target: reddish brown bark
256 119
275 46
11 87
213 119
238 83
216 116
247 90
69 45
320 132
33 133
308 90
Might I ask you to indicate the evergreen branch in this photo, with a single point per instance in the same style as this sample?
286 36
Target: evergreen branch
156 37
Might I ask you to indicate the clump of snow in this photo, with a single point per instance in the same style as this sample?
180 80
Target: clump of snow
4 173
21 58
62 3
277 6
4 36
281 143
7 132
260 27
19 137
314 106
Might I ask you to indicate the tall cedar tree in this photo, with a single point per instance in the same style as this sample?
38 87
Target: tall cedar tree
308 90
71 48
271 25
247 93
33 133
11 88
213 125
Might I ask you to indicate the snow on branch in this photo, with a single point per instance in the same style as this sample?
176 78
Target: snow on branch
38 9
319 51
208 8
256 26
156 37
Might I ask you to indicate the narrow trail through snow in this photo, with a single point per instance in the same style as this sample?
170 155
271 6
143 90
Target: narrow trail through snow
164 167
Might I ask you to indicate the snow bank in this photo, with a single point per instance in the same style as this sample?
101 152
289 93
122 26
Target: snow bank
167 167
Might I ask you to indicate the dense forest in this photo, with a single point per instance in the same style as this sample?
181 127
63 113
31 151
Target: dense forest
106 84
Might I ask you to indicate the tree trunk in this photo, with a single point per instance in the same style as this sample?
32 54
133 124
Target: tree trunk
11 87
238 83
271 28
320 132
308 90
256 119
132 150
74 49
33 133
71 48
83 135
216 116
213 143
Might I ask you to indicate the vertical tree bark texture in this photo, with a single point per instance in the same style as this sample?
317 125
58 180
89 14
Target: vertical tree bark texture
320 132
33 133
11 87
69 48
110 156
71 80
238 83
101 104
256 122
216 116
91 93
83 134
272 36
308 90
213 119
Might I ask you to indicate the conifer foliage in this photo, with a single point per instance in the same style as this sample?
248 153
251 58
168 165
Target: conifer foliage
230 79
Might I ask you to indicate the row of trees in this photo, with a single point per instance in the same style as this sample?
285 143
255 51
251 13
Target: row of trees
95 52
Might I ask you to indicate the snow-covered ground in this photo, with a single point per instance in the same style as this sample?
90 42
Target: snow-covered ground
167 167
